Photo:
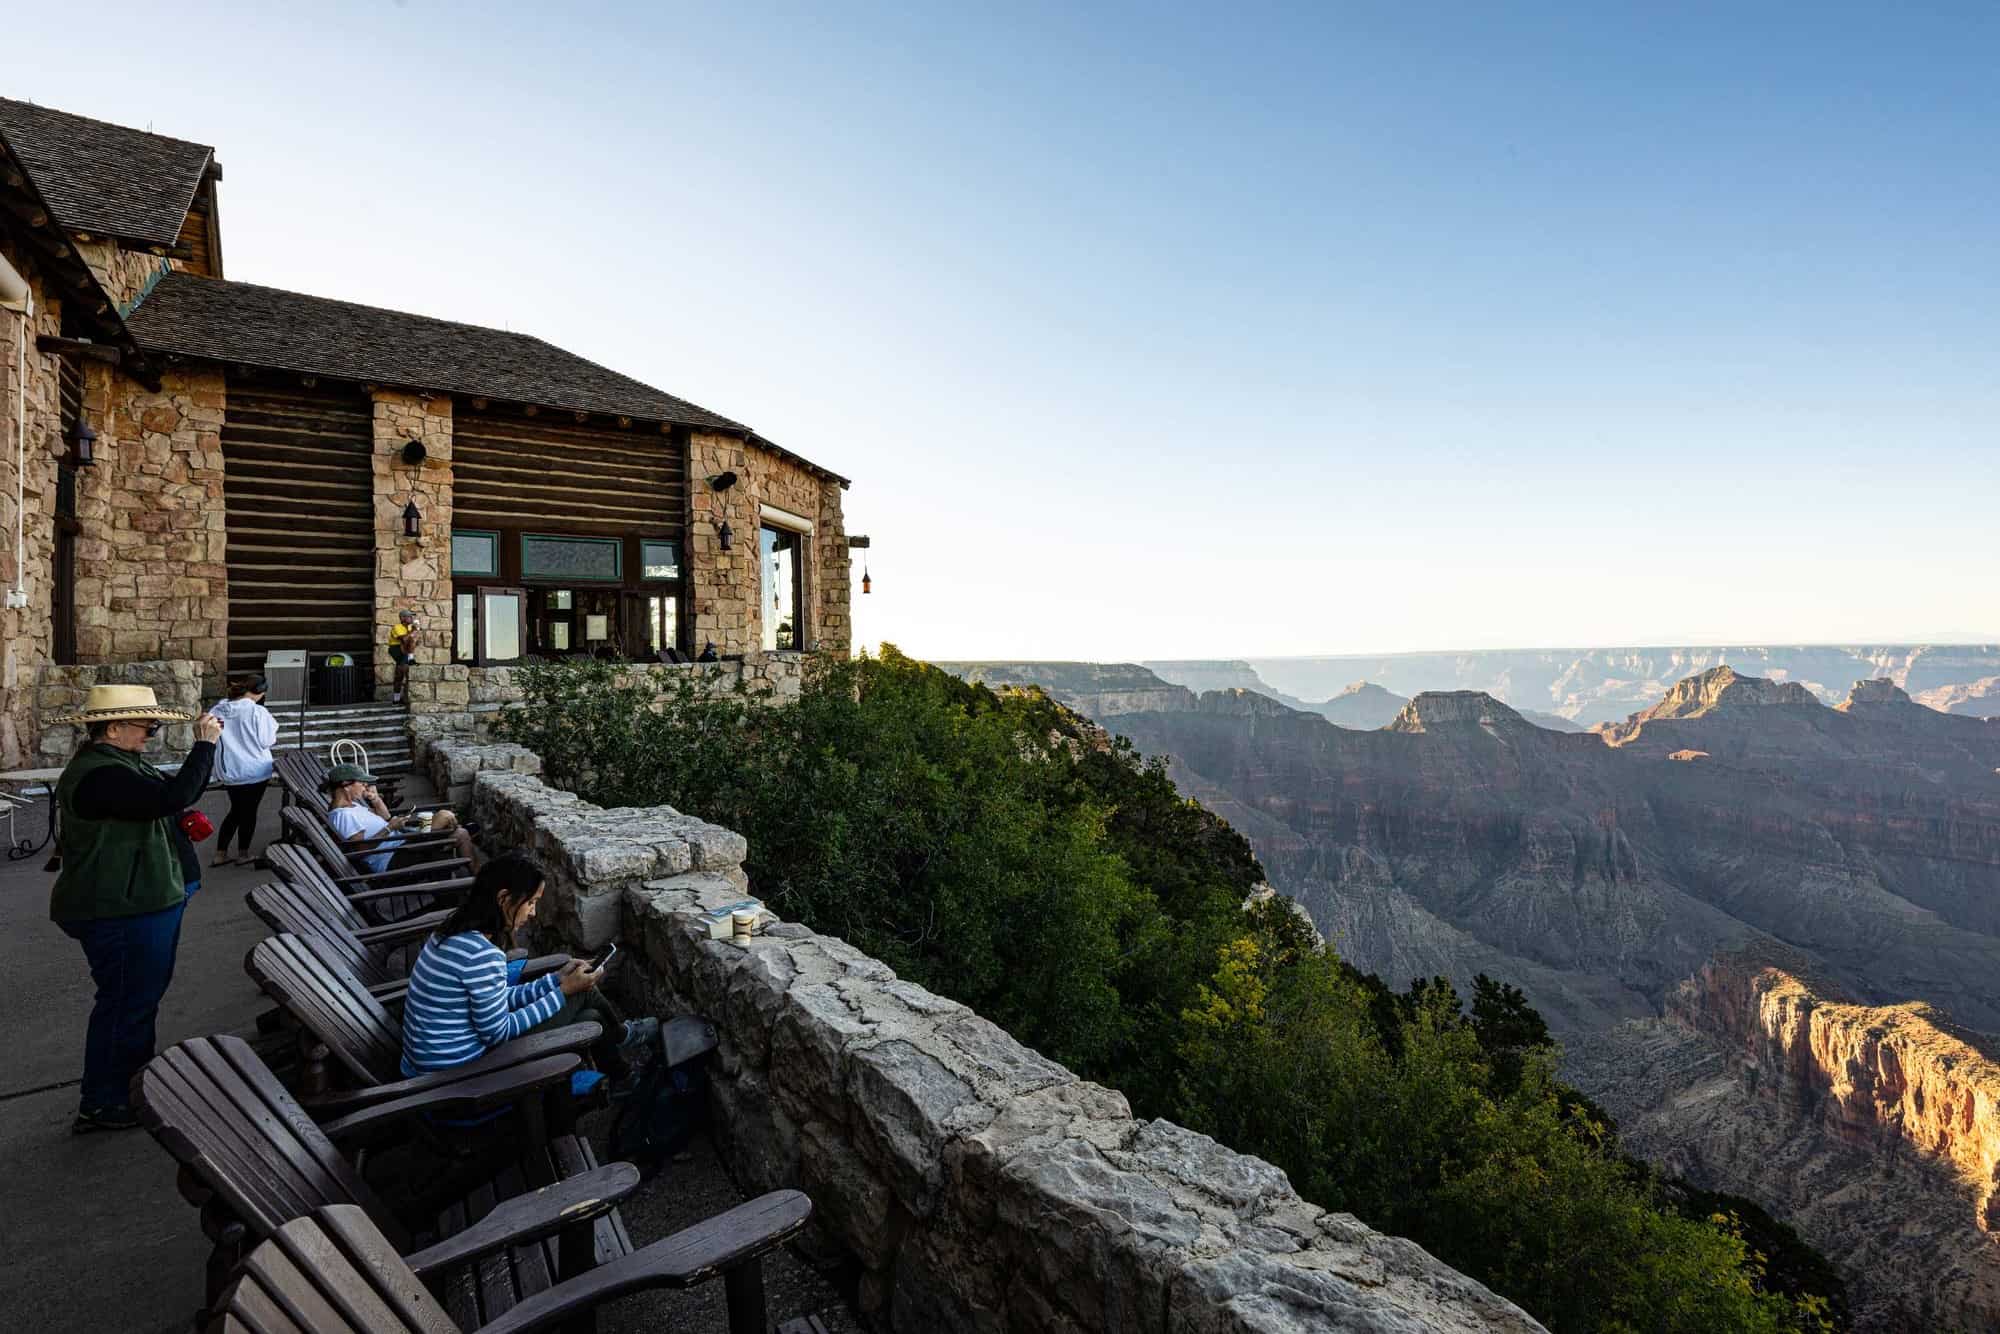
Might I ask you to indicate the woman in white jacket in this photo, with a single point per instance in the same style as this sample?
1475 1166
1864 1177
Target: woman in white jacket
243 761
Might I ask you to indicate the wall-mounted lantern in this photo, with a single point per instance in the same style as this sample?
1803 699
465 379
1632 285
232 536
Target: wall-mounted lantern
726 535
413 522
414 453
859 542
83 444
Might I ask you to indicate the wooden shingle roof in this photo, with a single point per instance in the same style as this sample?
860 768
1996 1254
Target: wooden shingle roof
106 179
244 324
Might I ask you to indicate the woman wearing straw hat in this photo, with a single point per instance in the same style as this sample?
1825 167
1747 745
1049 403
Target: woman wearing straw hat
123 886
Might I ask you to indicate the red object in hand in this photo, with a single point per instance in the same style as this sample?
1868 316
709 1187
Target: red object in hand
196 825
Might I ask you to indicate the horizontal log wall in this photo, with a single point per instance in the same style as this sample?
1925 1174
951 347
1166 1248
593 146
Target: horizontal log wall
540 474
301 508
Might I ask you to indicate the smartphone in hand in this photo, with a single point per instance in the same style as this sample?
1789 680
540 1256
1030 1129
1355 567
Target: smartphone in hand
610 953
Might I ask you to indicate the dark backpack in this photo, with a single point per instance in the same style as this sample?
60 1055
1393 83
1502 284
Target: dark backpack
670 1104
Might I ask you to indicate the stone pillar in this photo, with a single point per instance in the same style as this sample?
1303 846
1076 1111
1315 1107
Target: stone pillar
27 630
723 584
832 617
151 579
412 575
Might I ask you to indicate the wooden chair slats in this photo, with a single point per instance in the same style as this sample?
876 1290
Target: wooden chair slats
571 1155
532 1266
333 1273
202 1132
257 1310
331 1004
305 913
298 1291
285 1134
458 1289
328 1250
211 1103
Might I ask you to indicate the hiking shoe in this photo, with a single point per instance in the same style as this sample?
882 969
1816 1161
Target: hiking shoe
90 1120
640 1036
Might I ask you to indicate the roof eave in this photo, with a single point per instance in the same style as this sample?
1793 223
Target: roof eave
57 254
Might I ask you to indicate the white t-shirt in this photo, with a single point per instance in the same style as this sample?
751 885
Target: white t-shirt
350 821
243 751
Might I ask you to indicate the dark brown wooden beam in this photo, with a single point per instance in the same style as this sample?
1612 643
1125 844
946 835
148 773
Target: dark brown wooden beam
51 345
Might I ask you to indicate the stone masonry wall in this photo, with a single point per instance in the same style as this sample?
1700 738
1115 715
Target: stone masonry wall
26 630
176 684
412 576
125 275
727 586
456 700
151 580
975 1184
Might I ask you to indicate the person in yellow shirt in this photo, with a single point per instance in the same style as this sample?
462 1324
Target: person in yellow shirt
403 639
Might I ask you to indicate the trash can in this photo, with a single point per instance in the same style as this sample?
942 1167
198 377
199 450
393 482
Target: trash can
337 680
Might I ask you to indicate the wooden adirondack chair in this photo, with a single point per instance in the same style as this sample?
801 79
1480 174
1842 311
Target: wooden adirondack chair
374 954
335 1273
303 777
338 855
352 1047
298 866
252 1160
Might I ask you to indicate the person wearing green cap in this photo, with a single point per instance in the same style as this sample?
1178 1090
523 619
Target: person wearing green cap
357 813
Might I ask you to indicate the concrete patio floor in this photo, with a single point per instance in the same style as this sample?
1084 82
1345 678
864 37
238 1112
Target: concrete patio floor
93 1234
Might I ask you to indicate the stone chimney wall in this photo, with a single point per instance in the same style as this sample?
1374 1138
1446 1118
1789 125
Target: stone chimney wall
973 1183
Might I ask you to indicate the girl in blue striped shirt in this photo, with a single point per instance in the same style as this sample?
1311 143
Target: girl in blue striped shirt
463 1000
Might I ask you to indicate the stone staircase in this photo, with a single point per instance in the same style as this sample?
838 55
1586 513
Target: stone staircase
382 728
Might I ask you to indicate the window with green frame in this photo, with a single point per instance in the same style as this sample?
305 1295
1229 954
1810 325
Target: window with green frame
475 553
572 559
659 558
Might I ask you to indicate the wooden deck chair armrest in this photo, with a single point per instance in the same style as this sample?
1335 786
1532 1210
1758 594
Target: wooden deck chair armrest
573 1038
418 807
688 1257
354 847
409 928
403 873
528 1050
448 1092
530 1217
374 892
391 993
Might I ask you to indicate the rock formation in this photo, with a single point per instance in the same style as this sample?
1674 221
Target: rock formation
1980 699
1363 705
1601 872
1880 1125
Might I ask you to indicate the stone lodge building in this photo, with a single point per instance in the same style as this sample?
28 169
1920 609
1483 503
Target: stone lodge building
201 473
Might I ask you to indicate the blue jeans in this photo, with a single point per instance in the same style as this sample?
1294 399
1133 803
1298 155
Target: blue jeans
131 961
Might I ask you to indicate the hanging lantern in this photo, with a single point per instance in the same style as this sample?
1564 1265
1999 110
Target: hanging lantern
413 522
83 442
865 582
726 535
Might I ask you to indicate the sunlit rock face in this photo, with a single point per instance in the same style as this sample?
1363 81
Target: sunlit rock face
1878 1127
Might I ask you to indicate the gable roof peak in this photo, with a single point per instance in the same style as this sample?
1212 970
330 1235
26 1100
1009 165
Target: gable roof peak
106 179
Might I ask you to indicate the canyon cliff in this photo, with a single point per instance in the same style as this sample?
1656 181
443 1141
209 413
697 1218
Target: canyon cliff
1614 875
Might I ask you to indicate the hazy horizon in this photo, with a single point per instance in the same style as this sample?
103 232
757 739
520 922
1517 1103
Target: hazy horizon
1188 333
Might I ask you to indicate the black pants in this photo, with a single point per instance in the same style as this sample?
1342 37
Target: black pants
242 818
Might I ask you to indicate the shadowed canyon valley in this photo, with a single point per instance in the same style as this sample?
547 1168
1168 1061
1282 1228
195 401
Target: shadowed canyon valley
1763 916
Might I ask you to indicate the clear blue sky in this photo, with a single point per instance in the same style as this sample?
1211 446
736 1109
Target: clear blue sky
1177 332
